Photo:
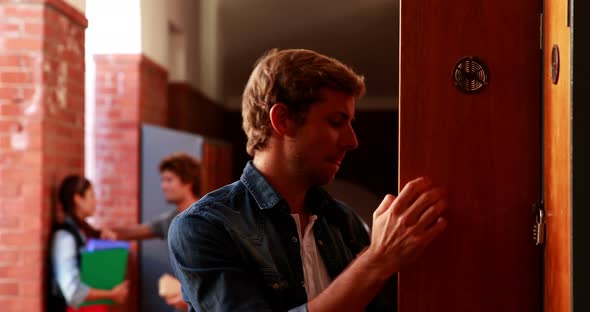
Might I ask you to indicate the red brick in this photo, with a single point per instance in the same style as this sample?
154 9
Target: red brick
34 28
20 272
12 304
10 190
8 93
24 12
8 110
21 304
7 125
10 60
9 257
5 143
32 257
23 44
16 77
30 289
8 288
8 27
28 239
9 223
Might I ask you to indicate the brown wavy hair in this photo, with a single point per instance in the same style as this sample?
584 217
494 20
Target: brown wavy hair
294 78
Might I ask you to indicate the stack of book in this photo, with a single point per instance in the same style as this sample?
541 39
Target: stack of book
104 265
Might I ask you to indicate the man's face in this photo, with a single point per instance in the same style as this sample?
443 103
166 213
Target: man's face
174 189
320 144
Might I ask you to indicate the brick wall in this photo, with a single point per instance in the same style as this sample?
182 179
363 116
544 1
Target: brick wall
41 135
130 90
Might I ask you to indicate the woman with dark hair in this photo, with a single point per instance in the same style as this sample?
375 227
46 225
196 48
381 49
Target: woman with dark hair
66 289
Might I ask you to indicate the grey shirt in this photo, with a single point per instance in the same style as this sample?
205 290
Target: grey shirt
161 224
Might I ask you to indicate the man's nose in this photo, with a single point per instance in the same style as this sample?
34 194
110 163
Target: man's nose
350 139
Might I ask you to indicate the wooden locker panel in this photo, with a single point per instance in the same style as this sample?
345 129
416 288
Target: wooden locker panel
217 165
557 161
483 148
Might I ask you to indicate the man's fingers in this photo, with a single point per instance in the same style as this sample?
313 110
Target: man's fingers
434 231
385 204
420 206
410 193
431 215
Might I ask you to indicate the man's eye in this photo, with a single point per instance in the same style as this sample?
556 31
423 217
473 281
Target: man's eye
336 123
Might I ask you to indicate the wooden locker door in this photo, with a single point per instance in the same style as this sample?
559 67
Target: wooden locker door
557 160
484 148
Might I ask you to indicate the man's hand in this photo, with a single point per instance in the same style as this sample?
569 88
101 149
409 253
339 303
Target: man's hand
107 233
404 226
177 302
169 288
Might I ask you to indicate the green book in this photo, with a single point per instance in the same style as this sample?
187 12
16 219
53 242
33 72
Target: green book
103 269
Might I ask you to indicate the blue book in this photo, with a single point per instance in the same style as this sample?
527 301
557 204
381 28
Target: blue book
102 244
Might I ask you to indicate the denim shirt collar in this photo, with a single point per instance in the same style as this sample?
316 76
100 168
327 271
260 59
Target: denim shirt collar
265 195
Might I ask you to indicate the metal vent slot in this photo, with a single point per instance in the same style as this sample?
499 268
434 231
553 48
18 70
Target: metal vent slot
470 75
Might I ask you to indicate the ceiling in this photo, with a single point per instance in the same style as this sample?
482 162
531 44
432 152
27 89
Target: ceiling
360 33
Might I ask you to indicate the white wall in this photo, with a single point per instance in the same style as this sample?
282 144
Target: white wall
210 58
198 21
78 4
113 27
154 30
185 15
190 54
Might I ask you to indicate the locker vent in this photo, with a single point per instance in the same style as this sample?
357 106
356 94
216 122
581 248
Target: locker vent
470 75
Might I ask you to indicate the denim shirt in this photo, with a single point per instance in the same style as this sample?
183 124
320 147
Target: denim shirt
237 249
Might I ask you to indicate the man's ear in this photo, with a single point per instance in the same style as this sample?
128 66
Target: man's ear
280 120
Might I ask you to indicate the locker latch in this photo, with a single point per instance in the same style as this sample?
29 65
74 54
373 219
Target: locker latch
539 227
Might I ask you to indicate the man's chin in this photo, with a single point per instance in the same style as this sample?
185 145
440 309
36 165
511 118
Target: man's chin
323 180
172 201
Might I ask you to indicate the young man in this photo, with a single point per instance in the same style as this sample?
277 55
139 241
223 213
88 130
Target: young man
181 182
274 240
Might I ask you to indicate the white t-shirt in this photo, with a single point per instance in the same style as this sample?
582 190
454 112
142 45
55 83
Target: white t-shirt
314 269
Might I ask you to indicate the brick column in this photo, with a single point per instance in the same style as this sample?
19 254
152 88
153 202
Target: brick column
130 90
41 135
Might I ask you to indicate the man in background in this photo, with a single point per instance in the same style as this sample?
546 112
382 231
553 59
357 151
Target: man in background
181 183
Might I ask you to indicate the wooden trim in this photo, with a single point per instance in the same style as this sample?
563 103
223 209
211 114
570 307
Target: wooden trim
184 86
69 11
557 164
147 61
140 59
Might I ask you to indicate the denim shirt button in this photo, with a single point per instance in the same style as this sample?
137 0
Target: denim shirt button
294 239
321 242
